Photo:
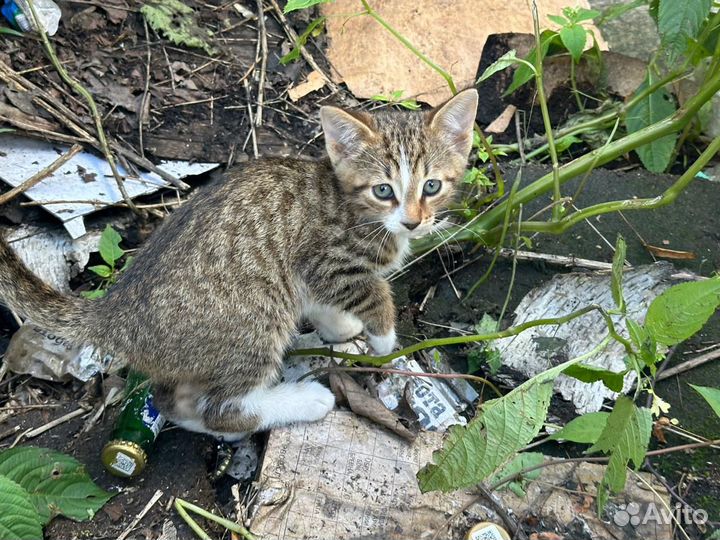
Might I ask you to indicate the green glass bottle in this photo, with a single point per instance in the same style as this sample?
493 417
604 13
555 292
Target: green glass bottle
135 431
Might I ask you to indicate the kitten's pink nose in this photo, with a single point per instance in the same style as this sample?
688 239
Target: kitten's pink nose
411 226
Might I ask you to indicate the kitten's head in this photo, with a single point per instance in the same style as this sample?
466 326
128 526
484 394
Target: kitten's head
401 168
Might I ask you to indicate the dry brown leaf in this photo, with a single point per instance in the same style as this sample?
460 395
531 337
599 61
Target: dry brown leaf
346 390
501 123
665 253
314 82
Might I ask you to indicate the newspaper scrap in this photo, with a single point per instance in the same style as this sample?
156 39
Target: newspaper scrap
347 478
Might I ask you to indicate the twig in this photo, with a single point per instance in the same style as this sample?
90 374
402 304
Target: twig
251 133
80 89
65 418
144 102
40 175
292 35
511 523
404 373
263 49
154 499
689 364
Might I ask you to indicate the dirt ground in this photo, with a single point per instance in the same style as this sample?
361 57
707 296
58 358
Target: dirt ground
205 117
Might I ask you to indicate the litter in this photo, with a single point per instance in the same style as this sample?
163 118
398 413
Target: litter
82 185
46 355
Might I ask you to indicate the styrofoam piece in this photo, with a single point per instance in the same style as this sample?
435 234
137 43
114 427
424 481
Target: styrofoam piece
82 185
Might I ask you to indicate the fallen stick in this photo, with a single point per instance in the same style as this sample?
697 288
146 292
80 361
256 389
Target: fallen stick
40 175
154 499
688 365
65 418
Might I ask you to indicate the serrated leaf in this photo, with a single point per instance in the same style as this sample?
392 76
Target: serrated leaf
19 520
682 310
625 437
590 374
523 73
57 483
585 429
101 270
582 14
178 22
679 22
655 155
557 19
110 250
315 25
501 428
293 5
711 395
617 273
574 38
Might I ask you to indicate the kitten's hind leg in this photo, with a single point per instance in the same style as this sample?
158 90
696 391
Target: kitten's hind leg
333 324
263 408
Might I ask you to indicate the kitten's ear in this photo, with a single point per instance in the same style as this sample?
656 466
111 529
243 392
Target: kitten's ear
454 120
345 132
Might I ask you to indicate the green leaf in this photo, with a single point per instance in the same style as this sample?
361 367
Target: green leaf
521 461
110 250
502 427
563 143
505 61
655 155
590 374
574 38
625 437
582 14
523 73
617 273
313 28
101 270
18 518
57 483
178 22
618 10
682 310
474 360
293 5
645 342
487 325
679 22
585 429
711 395
557 19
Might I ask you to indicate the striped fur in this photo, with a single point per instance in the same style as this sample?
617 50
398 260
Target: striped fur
213 299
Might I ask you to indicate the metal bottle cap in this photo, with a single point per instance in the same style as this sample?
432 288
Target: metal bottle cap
487 531
123 458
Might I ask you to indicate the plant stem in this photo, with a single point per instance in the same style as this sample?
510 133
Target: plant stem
573 85
485 228
557 195
230 525
444 74
456 340
197 529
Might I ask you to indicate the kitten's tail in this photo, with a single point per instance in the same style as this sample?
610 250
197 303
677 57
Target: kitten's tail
26 294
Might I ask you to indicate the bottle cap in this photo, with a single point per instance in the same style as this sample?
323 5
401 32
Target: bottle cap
123 458
487 531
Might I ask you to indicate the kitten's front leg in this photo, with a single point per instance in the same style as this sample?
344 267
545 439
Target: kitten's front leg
368 298
333 325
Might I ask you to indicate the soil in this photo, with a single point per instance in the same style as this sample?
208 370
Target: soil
114 55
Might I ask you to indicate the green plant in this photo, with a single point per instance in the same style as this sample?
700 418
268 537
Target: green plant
37 484
179 24
314 29
183 508
395 98
111 253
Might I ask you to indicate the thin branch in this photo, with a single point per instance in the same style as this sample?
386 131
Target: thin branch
263 50
40 175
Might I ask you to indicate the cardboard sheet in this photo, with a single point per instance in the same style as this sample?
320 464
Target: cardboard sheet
452 34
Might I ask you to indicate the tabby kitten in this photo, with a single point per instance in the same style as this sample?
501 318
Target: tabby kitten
212 301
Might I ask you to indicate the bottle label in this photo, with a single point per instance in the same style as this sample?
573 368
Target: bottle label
124 464
151 417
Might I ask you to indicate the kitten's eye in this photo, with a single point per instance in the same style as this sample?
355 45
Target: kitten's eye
383 191
431 187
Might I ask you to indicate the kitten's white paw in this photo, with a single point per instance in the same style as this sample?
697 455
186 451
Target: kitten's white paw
333 325
315 401
382 345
